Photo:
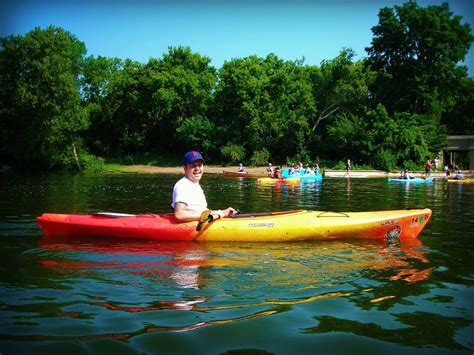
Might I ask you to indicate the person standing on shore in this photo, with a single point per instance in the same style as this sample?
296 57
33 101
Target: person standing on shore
428 168
348 167
189 201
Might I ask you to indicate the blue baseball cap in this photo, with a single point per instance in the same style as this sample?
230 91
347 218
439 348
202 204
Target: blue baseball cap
192 156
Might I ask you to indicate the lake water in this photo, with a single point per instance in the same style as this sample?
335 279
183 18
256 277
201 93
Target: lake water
141 297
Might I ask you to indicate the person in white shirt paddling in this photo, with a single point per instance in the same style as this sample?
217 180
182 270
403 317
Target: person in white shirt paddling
189 201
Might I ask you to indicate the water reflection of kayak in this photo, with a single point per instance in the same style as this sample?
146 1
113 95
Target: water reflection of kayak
180 262
266 227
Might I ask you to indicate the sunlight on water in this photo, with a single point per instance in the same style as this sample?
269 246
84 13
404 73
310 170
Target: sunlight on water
344 295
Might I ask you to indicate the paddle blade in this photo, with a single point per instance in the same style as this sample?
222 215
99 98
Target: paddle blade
205 217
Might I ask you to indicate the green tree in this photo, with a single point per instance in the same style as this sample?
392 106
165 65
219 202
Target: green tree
98 76
459 116
340 90
340 85
40 111
264 105
136 108
415 52
114 95
386 141
183 85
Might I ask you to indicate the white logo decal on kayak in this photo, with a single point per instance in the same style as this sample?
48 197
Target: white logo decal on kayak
264 225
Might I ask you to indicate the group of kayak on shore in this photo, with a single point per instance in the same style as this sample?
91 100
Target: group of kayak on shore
299 170
296 171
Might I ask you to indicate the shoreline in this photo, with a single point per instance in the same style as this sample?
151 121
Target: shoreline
216 169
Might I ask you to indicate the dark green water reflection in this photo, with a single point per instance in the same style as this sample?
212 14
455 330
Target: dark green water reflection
107 296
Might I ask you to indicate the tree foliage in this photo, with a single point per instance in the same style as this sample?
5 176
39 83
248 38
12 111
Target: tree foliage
459 116
394 107
40 99
386 141
415 52
150 106
264 104
340 90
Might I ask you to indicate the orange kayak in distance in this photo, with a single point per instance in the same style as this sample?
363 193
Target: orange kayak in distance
245 174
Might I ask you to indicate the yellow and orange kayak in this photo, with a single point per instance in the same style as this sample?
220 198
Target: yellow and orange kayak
462 181
270 180
262 227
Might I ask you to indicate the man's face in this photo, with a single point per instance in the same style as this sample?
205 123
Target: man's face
194 171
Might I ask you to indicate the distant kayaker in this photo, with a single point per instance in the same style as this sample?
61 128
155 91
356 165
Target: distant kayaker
446 170
406 175
189 201
270 168
277 173
316 168
459 176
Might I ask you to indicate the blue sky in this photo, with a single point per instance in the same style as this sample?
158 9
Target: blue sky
219 29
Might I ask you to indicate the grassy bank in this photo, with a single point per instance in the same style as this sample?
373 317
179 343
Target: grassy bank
167 161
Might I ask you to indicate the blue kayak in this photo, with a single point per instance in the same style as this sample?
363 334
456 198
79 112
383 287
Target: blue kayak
414 180
311 176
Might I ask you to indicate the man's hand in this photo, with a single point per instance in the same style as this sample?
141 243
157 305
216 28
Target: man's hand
229 211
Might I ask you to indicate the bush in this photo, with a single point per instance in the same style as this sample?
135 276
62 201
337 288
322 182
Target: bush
385 160
260 157
233 153
91 163
340 165
412 166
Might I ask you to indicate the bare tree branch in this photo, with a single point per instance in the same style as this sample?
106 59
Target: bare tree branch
325 114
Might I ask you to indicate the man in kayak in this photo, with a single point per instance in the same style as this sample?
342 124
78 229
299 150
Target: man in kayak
406 175
189 201
277 173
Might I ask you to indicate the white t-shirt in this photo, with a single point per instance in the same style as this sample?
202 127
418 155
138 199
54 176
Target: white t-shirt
189 193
